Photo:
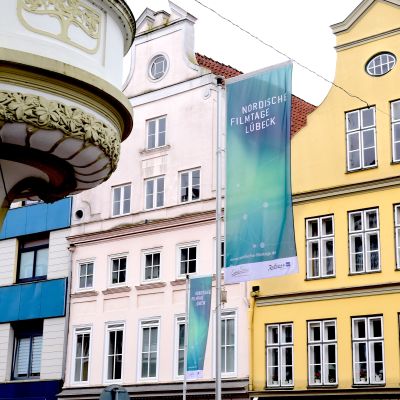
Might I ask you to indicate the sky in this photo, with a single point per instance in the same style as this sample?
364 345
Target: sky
299 29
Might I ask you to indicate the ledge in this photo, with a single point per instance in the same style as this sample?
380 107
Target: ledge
153 285
156 150
87 293
178 282
118 289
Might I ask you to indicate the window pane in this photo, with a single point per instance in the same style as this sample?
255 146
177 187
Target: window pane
368 117
396 110
353 141
287 334
359 329
42 257
371 219
327 226
22 358
354 160
36 355
376 327
352 121
313 228
369 157
369 138
26 265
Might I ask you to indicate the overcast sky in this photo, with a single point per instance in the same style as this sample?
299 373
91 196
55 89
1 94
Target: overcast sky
300 29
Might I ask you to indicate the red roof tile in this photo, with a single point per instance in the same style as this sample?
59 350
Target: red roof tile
300 107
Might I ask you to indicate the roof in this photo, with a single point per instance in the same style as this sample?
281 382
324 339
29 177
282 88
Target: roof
216 67
300 107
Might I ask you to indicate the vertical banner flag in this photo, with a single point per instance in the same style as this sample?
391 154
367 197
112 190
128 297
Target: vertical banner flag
199 317
259 235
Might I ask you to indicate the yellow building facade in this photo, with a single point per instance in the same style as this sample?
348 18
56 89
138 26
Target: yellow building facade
333 328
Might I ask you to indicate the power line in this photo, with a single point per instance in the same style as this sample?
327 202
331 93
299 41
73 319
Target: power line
285 55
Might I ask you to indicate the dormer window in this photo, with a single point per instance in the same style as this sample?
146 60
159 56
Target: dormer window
158 67
380 64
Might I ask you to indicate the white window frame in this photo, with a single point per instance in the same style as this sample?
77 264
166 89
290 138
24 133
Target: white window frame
364 233
110 327
165 67
110 269
148 323
280 346
369 341
82 329
323 343
143 273
395 122
127 187
178 257
190 185
82 262
157 131
320 239
155 183
359 132
397 233
179 320
226 315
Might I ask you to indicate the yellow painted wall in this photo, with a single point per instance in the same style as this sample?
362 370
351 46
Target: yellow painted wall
342 310
319 162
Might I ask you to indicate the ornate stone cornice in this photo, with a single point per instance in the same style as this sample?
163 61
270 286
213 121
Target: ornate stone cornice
41 113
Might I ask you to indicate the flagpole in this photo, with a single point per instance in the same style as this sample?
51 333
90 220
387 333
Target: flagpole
185 340
218 393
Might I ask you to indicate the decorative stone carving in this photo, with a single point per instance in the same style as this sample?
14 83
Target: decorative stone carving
70 14
39 112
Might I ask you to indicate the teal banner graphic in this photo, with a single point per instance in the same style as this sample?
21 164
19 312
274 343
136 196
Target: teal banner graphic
199 317
259 234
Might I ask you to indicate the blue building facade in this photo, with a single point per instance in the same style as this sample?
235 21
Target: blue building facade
34 270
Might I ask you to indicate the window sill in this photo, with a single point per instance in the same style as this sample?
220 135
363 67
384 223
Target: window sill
279 388
118 289
86 293
178 282
155 150
369 385
153 285
321 386
361 169
364 273
319 278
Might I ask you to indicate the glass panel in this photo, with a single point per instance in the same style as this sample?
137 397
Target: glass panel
371 219
315 331
368 117
312 228
287 334
273 363
26 265
354 160
330 331
359 329
396 132
273 335
396 110
327 226
352 121
356 222
22 358
353 141
36 355
369 157
42 257
369 138
376 328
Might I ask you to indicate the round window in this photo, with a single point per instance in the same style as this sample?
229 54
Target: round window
158 67
380 64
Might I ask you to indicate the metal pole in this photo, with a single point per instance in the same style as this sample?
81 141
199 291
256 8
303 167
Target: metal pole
185 346
218 244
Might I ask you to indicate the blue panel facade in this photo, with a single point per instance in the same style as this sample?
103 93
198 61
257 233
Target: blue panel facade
37 218
43 299
44 390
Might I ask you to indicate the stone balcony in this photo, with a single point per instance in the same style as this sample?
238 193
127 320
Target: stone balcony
62 112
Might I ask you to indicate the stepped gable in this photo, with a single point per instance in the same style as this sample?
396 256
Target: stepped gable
300 107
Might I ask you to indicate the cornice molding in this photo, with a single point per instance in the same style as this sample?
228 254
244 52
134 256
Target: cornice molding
141 228
119 289
41 113
87 293
153 285
52 76
329 294
315 195
368 39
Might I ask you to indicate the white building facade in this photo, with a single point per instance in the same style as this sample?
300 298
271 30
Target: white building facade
135 237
